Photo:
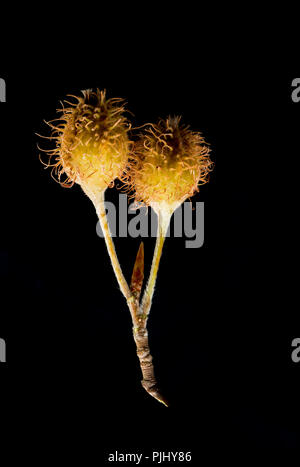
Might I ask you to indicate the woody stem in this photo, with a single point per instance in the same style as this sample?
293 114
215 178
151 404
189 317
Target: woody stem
149 382
140 332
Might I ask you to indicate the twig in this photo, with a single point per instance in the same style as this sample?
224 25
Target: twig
139 318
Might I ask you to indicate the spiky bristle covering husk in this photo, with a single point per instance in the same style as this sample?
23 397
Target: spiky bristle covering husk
92 142
168 164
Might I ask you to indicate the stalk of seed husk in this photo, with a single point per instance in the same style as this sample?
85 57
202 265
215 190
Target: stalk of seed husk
168 164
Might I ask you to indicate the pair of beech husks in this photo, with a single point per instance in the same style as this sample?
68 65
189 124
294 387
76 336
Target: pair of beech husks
163 167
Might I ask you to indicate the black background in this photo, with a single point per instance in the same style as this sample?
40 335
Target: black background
223 317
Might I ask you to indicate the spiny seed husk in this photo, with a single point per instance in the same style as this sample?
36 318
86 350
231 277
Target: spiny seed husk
92 141
169 162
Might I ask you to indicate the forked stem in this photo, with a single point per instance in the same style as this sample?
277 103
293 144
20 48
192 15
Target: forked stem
139 319
140 332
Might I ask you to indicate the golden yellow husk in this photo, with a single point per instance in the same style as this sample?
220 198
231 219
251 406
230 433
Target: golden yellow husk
92 143
169 162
